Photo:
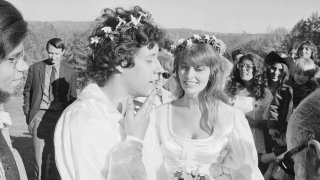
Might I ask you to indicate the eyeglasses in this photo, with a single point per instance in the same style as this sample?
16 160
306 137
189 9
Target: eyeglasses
17 57
246 66
285 160
165 75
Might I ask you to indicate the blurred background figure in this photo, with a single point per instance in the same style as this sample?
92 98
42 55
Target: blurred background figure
236 55
292 52
303 135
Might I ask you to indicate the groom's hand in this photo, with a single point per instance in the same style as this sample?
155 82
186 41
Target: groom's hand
136 124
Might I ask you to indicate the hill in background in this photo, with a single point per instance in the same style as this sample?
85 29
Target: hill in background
75 35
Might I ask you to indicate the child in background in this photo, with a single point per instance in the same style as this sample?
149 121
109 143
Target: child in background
303 80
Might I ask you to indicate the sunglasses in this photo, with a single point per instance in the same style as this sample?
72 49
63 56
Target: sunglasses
246 66
285 161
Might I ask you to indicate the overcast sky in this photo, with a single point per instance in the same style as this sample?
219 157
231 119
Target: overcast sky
252 16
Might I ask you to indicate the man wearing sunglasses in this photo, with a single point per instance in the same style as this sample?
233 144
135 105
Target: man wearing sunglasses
303 134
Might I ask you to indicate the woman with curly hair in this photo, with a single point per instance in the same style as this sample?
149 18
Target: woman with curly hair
99 136
201 136
248 92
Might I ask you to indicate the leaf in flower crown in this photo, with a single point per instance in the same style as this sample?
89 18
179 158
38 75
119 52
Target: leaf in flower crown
111 36
126 28
115 32
121 21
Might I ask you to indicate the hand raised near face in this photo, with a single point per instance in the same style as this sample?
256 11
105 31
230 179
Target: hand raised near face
136 124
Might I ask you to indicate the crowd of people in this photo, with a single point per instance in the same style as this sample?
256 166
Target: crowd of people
150 114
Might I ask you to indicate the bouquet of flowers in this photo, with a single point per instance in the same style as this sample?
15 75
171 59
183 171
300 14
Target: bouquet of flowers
184 173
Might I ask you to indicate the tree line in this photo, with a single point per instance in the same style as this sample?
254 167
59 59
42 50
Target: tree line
75 35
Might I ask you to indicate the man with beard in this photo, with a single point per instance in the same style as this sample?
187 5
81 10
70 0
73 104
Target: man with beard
303 135
13 30
50 87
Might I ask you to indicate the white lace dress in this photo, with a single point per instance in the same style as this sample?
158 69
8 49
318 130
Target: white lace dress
229 153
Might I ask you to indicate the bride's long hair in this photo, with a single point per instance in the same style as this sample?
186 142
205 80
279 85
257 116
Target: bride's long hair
209 98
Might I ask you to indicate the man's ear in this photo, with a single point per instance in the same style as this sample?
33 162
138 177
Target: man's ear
315 145
119 68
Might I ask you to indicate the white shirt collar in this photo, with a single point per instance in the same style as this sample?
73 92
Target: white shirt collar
93 91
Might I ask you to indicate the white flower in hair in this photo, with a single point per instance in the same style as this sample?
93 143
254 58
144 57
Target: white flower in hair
143 14
189 42
106 29
121 21
173 46
134 20
180 40
222 47
207 37
94 40
213 38
196 36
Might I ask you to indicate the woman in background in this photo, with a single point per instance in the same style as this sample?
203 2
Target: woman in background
248 92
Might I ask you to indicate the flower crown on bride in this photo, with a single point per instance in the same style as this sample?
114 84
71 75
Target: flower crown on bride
183 44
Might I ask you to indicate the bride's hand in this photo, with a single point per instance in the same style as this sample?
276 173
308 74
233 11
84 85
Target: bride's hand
136 124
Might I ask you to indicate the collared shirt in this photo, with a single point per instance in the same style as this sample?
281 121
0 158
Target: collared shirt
90 141
45 103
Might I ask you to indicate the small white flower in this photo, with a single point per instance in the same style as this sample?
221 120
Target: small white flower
189 42
180 40
173 46
134 20
207 37
106 29
94 40
222 47
196 36
213 38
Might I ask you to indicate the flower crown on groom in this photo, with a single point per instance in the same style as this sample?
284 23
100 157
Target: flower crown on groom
119 25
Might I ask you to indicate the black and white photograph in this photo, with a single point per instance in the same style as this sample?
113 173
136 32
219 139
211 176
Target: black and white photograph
159 90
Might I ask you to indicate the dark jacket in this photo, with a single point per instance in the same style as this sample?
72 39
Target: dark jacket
281 108
33 89
7 160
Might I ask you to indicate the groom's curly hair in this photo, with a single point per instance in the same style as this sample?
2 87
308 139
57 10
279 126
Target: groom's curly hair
119 46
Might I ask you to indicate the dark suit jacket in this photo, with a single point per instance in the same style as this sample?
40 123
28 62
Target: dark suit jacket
33 89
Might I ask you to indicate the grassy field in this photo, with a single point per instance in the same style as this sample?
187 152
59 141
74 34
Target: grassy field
21 138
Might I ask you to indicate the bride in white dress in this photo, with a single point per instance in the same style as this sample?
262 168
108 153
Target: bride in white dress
201 136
